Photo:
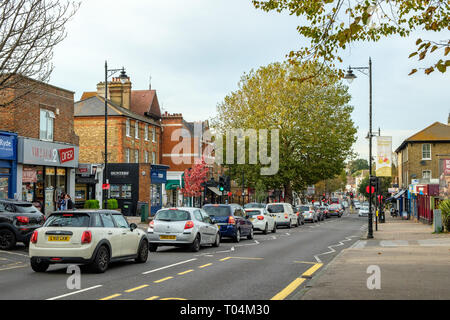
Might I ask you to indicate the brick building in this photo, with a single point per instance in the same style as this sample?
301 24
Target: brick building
47 146
134 136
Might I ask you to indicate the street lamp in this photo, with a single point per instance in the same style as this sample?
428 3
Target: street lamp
350 76
123 78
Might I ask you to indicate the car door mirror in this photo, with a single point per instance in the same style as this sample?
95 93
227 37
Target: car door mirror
133 226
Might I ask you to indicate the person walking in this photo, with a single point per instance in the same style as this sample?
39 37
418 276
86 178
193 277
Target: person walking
61 205
69 202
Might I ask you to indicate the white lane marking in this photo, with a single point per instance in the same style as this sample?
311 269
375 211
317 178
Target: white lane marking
172 265
331 248
75 292
14 253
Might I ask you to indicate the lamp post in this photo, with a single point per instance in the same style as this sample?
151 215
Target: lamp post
350 76
123 78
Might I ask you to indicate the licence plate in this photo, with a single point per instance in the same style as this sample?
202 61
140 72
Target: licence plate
252 219
167 237
59 238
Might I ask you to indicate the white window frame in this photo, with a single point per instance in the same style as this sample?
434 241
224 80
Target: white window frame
146 156
136 130
154 158
47 120
423 176
128 128
127 155
423 145
146 132
153 134
136 155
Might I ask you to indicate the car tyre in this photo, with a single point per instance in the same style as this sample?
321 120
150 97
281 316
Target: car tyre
101 260
274 230
195 246
39 266
152 247
217 241
251 235
237 237
142 252
7 239
266 229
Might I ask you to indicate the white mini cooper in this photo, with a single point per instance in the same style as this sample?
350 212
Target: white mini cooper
95 238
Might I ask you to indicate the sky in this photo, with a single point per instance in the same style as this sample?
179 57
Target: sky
195 52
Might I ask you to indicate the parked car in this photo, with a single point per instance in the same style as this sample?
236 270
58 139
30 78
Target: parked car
92 237
364 211
18 220
310 213
252 205
300 217
231 219
335 210
262 220
324 211
284 214
182 227
357 205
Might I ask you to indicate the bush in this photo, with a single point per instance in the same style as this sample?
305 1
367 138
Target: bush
92 204
112 204
444 206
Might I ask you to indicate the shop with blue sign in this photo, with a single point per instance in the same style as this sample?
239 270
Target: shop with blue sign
8 165
158 178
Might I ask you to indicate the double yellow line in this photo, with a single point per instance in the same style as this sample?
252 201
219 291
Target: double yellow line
283 294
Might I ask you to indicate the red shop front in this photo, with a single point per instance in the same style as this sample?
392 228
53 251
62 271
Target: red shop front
425 201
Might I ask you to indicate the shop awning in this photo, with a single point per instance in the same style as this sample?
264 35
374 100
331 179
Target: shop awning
398 195
172 184
215 190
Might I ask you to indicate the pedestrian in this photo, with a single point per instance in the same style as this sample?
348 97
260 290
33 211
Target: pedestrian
61 205
69 202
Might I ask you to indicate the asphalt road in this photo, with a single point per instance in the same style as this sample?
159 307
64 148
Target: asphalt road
272 266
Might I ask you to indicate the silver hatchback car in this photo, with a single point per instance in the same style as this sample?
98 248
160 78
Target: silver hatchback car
182 227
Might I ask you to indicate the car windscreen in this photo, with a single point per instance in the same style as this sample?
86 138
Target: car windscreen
173 215
253 212
68 220
303 208
275 208
214 211
26 208
254 205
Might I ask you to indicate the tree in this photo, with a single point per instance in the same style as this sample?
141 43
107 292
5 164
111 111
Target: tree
316 131
260 192
29 31
357 165
331 25
194 179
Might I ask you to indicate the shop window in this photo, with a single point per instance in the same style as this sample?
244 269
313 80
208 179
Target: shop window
4 187
46 125
156 195
121 191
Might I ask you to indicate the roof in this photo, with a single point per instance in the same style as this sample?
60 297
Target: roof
95 106
437 132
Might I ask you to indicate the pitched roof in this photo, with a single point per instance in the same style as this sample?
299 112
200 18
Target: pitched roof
95 106
435 132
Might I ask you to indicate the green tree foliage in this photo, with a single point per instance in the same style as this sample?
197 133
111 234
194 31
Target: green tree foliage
332 25
357 165
260 192
314 119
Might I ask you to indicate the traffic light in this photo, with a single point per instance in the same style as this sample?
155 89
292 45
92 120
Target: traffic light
227 183
374 183
221 184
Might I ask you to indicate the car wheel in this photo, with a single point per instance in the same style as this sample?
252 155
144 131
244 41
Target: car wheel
152 247
289 224
217 242
101 260
266 229
38 265
250 236
142 252
237 238
274 230
7 239
195 246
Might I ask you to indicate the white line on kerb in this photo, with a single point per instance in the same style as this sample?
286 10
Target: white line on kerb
75 292
14 253
172 265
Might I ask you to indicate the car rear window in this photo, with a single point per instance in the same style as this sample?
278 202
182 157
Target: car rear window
255 205
68 220
275 208
304 208
218 211
173 215
26 208
253 212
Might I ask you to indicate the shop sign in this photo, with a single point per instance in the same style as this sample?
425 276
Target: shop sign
66 155
29 175
7 148
85 170
38 152
120 173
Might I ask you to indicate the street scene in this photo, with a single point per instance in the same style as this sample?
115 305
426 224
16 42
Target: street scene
227 151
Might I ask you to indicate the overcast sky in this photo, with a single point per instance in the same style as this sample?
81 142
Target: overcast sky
197 50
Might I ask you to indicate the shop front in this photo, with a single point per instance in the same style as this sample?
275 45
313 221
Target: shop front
8 165
124 186
85 184
46 170
158 179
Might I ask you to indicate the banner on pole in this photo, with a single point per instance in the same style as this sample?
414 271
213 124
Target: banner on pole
384 157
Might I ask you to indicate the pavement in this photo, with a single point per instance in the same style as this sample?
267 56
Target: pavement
413 264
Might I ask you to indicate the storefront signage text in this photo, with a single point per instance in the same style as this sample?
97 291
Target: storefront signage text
6 147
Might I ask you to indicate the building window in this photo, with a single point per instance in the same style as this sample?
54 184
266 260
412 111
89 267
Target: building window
127 155
154 157
136 130
146 156
146 132
426 151
153 134
46 125
136 156
128 128
426 174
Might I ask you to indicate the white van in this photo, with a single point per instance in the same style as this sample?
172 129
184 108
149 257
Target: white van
283 214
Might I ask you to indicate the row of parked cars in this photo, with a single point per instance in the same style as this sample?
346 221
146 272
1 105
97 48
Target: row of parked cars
99 237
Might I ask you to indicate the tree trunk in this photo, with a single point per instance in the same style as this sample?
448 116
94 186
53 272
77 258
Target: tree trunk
288 193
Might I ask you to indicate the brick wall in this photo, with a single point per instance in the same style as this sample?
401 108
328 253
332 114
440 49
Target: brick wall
144 182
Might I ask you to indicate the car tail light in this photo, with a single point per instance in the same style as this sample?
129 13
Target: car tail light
231 220
151 224
86 237
188 225
23 219
298 213
286 216
34 237
260 218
